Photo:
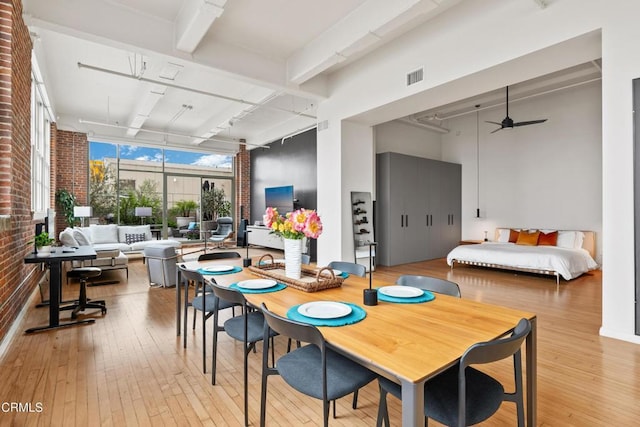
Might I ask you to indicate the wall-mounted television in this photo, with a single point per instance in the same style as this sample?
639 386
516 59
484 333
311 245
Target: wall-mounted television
280 198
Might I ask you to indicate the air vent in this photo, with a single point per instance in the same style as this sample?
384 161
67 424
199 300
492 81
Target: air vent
415 76
323 125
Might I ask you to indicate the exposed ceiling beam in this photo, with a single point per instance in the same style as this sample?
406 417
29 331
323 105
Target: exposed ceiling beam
194 20
194 90
355 34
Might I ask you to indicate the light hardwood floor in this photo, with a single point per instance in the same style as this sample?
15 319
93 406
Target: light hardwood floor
129 368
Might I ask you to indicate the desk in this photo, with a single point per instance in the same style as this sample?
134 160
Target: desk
54 261
408 343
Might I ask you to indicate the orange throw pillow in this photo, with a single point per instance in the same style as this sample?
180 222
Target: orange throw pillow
528 239
513 235
548 239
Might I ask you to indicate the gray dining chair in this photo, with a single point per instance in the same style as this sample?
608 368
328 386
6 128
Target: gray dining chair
313 369
432 284
349 267
219 255
357 270
462 395
247 328
204 301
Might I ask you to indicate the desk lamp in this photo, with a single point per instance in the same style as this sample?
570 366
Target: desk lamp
371 295
247 261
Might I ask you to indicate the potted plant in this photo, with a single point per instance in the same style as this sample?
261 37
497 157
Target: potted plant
183 212
43 242
66 201
214 206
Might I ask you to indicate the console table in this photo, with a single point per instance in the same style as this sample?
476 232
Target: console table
260 236
54 261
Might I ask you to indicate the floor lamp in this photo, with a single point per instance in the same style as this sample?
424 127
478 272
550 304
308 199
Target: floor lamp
247 261
143 212
82 212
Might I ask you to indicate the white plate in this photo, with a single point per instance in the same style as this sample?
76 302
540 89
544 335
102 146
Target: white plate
257 284
324 309
336 272
401 291
218 268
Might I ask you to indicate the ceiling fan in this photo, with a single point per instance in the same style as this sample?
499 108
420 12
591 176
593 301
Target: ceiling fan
508 122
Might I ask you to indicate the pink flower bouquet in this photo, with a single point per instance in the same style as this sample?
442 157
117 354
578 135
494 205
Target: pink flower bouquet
295 225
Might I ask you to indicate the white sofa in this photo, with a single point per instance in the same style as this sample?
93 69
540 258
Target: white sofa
111 242
126 238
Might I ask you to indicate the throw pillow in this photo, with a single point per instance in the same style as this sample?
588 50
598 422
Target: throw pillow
133 238
81 237
548 239
67 239
513 235
528 238
192 225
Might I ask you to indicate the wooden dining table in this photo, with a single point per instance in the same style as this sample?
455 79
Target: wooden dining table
407 343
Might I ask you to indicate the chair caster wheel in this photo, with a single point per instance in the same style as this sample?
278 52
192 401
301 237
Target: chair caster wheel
104 311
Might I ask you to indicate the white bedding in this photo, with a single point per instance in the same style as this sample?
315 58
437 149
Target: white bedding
569 263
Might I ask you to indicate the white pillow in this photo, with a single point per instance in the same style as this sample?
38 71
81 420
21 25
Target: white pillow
66 237
567 239
503 235
104 233
579 239
81 237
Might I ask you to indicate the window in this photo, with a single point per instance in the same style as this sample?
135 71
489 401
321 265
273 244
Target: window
40 146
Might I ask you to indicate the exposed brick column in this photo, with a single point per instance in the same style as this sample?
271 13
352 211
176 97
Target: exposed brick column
243 182
72 168
17 279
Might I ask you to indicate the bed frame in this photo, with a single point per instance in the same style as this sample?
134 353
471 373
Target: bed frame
589 243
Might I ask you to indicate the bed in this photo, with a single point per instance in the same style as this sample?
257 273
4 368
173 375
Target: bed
565 253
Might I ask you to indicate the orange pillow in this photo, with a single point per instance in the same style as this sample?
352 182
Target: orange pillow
548 239
528 239
513 235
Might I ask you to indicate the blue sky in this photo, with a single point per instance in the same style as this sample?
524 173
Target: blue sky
100 150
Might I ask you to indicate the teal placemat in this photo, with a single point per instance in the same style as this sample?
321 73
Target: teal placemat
356 315
219 273
426 296
277 287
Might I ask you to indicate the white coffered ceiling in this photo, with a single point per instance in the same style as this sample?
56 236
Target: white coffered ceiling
203 74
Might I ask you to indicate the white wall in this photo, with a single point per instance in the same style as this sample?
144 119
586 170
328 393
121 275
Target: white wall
546 176
479 46
406 139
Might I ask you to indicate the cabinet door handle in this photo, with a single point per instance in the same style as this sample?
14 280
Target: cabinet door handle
406 220
401 221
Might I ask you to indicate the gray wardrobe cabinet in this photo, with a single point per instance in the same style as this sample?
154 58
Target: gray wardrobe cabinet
418 208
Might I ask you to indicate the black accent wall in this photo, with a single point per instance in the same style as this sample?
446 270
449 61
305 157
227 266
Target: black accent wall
293 162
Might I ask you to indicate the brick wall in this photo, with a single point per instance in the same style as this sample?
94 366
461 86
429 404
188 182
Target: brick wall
71 167
243 183
17 280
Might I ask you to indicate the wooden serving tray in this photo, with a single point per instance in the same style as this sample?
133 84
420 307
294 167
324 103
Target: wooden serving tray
311 280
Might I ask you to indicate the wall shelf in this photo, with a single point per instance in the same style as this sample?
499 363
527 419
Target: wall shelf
362 225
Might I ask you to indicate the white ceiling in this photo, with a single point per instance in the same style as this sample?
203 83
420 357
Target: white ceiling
203 74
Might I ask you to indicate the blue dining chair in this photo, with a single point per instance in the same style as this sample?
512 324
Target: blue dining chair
462 395
313 369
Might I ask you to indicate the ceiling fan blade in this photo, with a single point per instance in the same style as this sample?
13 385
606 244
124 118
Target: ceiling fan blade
530 122
500 128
